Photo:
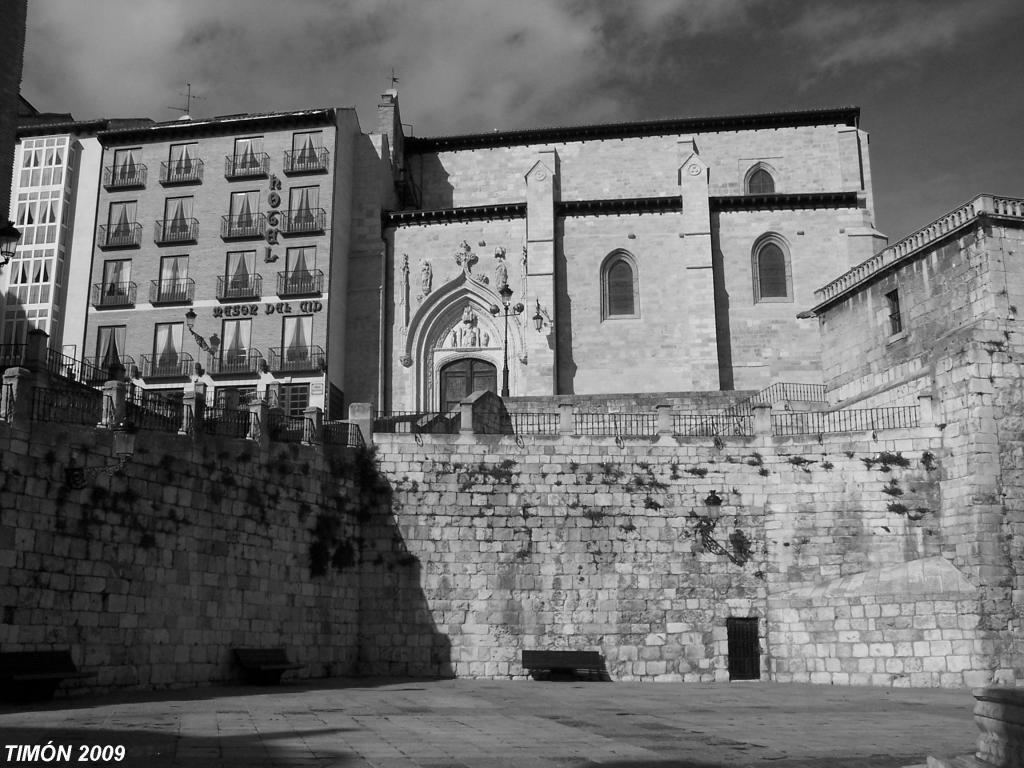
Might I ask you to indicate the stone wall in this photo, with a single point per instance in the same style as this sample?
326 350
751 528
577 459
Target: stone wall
586 543
151 575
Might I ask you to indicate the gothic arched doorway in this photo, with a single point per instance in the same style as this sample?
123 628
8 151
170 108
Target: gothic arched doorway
463 377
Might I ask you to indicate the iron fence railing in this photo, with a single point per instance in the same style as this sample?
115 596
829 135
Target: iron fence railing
74 369
239 286
181 172
69 404
783 391
243 226
295 221
225 422
534 423
149 409
246 165
860 420
417 422
240 362
127 235
288 429
177 291
175 230
113 294
342 433
618 424
294 358
166 366
124 176
306 160
710 424
304 283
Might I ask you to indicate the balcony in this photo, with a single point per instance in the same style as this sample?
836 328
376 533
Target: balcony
241 363
306 160
178 291
254 164
175 231
291 359
243 227
124 176
181 173
302 221
306 283
166 366
127 235
96 370
112 295
239 287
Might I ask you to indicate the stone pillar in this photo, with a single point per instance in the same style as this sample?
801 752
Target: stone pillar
35 350
193 407
312 426
466 417
762 418
259 419
566 422
361 414
698 303
114 405
664 418
16 403
541 194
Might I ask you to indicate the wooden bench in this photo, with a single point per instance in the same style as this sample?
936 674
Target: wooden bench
264 666
35 675
565 665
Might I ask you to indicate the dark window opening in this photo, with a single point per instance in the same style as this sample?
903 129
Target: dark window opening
895 319
620 289
744 649
294 399
772 282
760 182
464 377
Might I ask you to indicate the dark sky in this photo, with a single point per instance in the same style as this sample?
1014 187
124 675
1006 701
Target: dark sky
939 82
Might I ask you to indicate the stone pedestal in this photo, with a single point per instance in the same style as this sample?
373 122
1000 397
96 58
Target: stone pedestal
999 715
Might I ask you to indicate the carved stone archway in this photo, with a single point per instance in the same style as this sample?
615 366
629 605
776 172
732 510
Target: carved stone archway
455 321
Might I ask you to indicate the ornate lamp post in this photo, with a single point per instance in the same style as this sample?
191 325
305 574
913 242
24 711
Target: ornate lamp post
506 310
211 346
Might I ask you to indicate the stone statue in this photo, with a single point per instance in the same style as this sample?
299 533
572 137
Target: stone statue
465 258
500 269
426 276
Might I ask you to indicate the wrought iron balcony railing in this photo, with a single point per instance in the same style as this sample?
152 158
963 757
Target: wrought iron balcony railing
306 160
166 365
244 226
297 358
178 291
294 222
106 295
179 172
309 282
120 235
246 166
239 287
176 231
242 363
124 176
96 370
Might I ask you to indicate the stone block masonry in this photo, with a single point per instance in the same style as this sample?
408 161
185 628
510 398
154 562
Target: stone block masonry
642 549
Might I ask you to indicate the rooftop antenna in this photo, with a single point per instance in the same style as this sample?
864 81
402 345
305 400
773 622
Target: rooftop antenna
189 98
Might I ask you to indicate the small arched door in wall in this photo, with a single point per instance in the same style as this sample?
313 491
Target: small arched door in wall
463 377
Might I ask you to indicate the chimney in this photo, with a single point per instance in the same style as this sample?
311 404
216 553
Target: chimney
389 123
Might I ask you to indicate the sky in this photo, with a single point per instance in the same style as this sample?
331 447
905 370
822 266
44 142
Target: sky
939 82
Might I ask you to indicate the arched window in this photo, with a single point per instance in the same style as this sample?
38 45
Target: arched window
772 274
760 182
619 286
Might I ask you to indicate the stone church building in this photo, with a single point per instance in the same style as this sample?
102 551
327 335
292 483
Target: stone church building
644 257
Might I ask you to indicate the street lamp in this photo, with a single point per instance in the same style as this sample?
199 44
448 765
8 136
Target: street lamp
506 309
9 237
210 346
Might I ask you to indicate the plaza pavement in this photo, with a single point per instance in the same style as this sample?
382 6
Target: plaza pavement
505 724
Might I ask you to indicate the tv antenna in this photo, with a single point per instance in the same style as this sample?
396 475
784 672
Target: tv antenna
189 98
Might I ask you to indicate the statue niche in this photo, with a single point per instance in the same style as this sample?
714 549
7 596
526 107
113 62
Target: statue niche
466 333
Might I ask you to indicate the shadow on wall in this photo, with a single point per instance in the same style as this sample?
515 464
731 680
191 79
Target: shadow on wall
566 365
722 329
430 178
397 633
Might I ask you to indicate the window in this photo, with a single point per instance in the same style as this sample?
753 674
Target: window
127 168
116 277
304 213
109 346
298 265
37 217
167 349
235 398
892 300
307 153
235 336
174 283
247 159
240 274
42 161
296 339
760 182
619 291
294 399
772 277
183 162
243 214
121 225
177 223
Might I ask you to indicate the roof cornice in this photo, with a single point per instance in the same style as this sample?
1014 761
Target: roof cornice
829 116
217 126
